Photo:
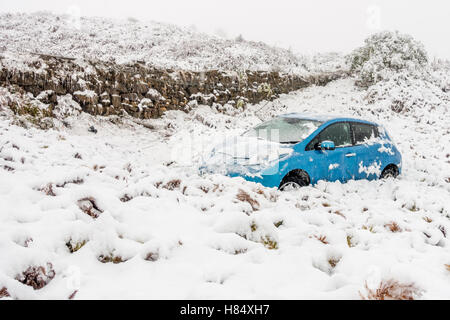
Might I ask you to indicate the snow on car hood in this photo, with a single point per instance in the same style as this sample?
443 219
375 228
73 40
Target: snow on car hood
245 155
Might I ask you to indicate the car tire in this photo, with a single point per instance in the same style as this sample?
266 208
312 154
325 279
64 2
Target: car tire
390 172
294 180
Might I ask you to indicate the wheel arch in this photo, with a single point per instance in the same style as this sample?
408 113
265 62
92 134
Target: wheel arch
296 172
391 166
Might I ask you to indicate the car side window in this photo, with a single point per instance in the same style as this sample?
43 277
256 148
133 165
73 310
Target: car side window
363 132
339 133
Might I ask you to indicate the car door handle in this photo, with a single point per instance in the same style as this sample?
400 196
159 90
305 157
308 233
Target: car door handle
349 155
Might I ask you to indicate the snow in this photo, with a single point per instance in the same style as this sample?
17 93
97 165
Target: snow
373 169
85 93
157 44
333 166
183 235
245 155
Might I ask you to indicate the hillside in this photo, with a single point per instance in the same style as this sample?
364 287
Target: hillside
126 41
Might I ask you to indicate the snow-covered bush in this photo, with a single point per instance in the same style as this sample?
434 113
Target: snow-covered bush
66 107
394 69
386 53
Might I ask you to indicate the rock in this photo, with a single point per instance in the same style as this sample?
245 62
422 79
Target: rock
92 129
116 101
86 97
154 95
141 87
48 97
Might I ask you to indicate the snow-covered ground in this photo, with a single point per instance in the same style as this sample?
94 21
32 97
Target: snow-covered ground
176 234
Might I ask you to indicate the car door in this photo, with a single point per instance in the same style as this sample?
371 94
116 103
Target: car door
368 164
331 165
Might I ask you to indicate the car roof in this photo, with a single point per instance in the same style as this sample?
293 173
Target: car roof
322 117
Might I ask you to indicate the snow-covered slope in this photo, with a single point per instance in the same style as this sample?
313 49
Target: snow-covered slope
176 234
123 41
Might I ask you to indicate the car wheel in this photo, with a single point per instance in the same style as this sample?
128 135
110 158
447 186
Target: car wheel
389 172
294 180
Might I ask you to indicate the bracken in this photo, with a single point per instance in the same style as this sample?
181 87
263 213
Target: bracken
245 197
4 293
392 290
89 206
322 239
37 277
393 227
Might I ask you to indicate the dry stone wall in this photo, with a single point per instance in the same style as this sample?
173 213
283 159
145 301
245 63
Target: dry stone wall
103 88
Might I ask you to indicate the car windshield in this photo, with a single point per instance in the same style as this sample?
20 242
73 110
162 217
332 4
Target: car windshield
285 130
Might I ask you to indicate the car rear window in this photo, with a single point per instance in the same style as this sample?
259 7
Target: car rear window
363 132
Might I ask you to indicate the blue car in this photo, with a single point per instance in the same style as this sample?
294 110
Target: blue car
313 148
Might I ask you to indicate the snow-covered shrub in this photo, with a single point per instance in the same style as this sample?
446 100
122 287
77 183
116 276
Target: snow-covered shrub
385 53
66 107
394 69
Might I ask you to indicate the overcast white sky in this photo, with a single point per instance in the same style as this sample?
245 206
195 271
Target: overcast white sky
304 26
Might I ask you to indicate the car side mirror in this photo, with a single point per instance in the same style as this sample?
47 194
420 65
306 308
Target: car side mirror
327 145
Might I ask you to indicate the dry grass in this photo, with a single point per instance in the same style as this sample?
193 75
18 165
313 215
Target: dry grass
427 219
48 190
126 198
392 290
111 258
393 227
75 246
269 243
8 168
37 277
272 197
4 293
172 184
339 213
89 206
369 228
128 167
74 181
240 251
412 208
278 223
350 242
245 197
96 167
73 295
27 242
322 239
333 262
442 229
218 187
152 256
